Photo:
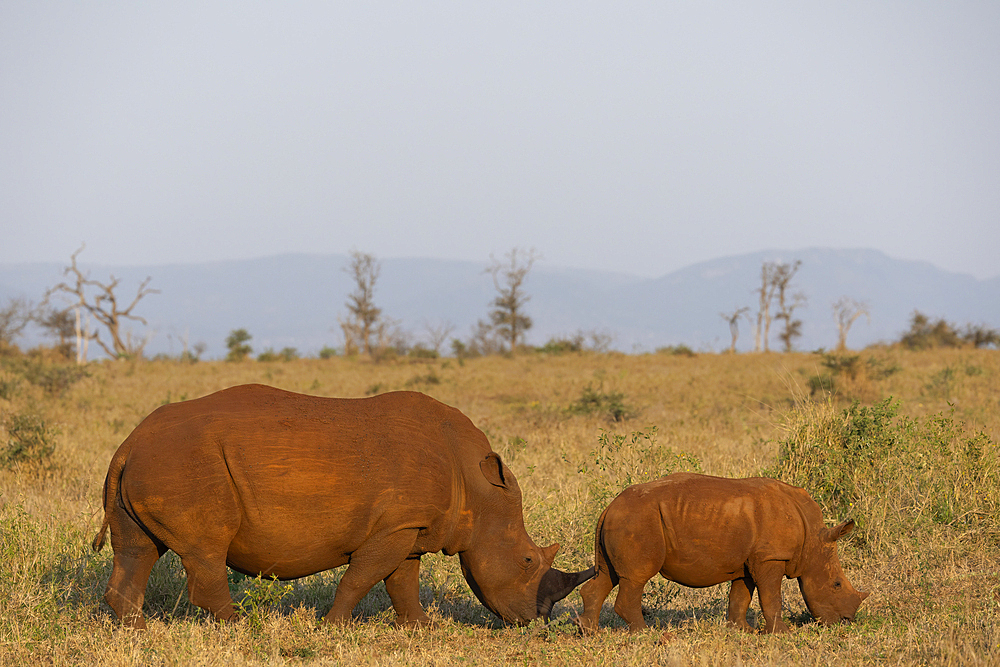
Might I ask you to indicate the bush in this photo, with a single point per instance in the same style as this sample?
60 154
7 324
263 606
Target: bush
849 376
925 334
896 477
53 379
29 440
286 354
598 401
562 345
327 352
416 380
676 350
419 351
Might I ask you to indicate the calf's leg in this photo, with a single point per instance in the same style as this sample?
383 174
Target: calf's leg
768 576
628 603
208 584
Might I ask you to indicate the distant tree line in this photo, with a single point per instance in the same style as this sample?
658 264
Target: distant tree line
81 309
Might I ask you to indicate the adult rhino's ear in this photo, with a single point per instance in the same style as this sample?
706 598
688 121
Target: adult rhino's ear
494 470
837 532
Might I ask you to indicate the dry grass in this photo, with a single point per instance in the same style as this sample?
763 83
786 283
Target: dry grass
935 597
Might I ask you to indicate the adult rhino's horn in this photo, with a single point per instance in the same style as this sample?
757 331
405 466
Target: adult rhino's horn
556 584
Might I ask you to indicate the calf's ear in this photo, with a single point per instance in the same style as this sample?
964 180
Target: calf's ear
493 470
837 532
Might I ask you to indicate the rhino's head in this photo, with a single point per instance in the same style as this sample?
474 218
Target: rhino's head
505 569
829 595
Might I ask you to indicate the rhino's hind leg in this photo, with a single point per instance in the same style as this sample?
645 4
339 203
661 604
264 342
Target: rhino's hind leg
135 554
628 603
594 593
374 561
208 584
740 595
403 587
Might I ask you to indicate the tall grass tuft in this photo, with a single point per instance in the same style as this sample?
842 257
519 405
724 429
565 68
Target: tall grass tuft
901 479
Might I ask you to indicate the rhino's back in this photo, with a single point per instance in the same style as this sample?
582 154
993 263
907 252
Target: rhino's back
709 525
305 479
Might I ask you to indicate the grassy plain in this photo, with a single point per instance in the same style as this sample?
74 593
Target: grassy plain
933 570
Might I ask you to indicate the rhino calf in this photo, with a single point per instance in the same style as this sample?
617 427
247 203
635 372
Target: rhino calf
281 484
700 531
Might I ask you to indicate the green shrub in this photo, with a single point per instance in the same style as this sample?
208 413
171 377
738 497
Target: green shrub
259 596
419 351
30 439
268 355
899 478
925 334
416 380
849 375
598 401
562 345
9 388
677 350
53 378
327 352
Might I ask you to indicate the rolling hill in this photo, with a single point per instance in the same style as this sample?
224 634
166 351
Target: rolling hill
294 300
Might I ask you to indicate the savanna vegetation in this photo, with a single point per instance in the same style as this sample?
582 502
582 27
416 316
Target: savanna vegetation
904 441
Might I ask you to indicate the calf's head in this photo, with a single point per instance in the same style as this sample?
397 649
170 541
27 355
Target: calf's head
511 575
829 596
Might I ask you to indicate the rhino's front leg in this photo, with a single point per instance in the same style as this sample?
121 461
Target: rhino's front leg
768 576
374 561
403 587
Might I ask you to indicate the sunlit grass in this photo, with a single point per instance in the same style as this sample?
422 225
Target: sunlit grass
935 597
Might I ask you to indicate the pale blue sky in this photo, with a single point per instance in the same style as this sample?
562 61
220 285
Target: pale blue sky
640 136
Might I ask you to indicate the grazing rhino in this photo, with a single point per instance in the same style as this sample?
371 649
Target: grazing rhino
700 531
285 485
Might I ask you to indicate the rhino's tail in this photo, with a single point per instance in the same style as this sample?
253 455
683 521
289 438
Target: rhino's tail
112 483
602 561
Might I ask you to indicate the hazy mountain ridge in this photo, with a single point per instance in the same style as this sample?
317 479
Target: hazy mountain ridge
295 300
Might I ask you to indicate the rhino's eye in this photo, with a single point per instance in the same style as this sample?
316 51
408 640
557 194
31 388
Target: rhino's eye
836 584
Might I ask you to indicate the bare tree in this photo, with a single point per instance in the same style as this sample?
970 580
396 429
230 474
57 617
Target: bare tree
366 330
484 340
507 316
787 304
733 319
845 311
438 333
100 301
766 294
